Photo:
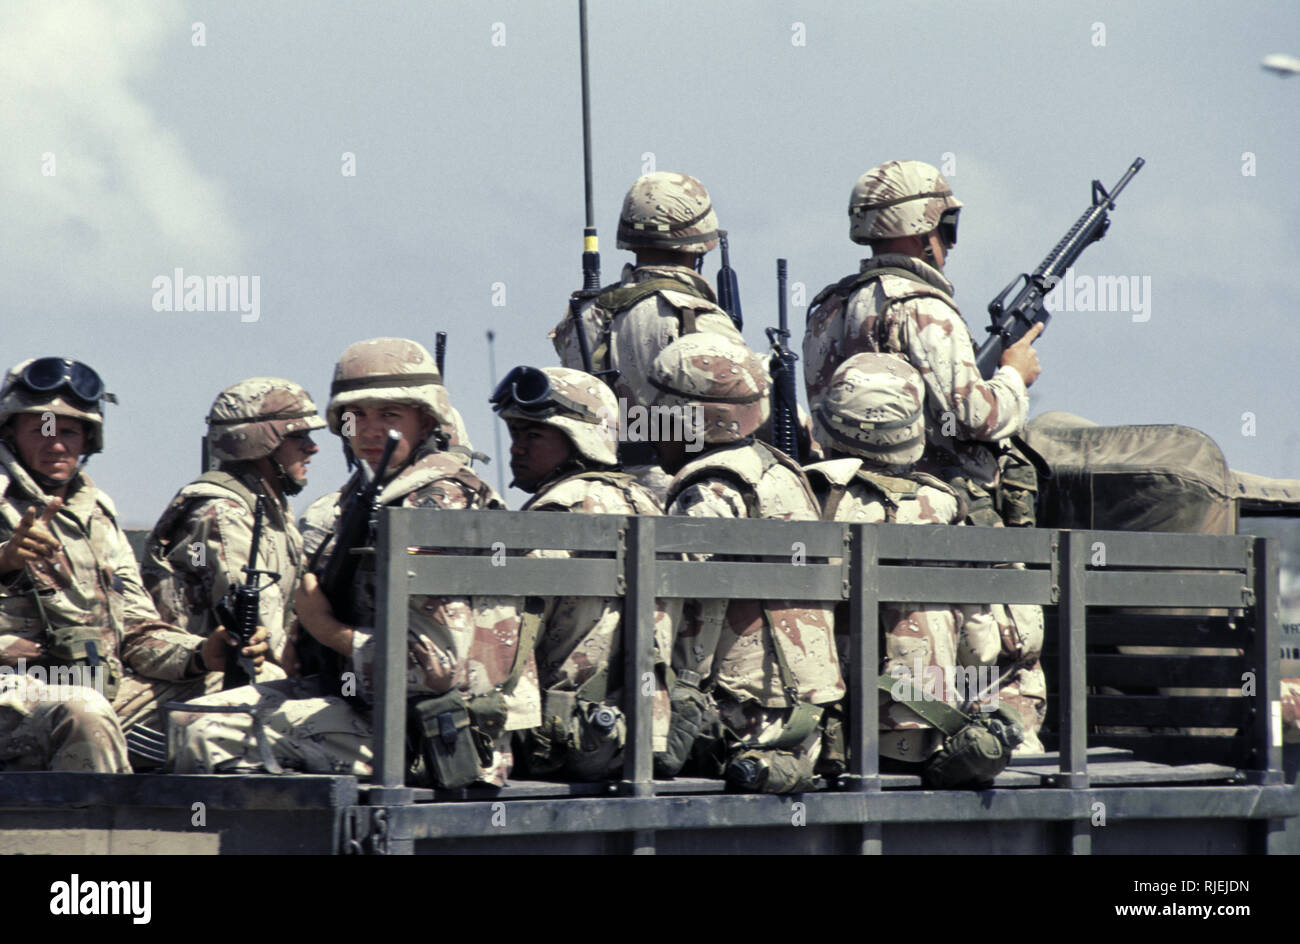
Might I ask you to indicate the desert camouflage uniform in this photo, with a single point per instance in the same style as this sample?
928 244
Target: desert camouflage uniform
92 582
729 644
661 211
198 548
453 641
1291 711
54 727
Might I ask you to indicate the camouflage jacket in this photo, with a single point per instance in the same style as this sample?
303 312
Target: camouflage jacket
629 340
452 641
93 581
922 642
580 635
199 547
731 643
916 317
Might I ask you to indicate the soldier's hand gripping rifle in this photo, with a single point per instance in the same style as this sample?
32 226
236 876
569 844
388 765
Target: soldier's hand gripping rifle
1010 322
239 610
728 287
785 404
337 580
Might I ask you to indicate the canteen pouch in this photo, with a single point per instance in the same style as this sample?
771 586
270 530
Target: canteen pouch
444 752
976 754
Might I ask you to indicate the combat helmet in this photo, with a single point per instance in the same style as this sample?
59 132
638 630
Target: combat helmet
668 211
572 401
389 369
60 386
874 409
902 198
250 419
722 377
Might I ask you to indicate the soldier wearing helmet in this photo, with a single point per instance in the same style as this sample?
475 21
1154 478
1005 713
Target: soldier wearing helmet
770 696
564 437
259 437
871 422
71 598
899 302
669 222
461 648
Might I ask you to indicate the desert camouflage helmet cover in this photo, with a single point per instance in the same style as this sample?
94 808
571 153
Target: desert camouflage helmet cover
900 198
250 419
725 378
664 210
586 412
15 399
395 370
874 409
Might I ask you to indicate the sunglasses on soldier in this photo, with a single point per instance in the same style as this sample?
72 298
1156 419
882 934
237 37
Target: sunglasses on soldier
948 227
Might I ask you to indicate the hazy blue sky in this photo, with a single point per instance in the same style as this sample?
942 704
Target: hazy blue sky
464 119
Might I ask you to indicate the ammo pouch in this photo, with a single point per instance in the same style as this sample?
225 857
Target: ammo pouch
834 758
77 647
1020 470
442 748
976 748
693 728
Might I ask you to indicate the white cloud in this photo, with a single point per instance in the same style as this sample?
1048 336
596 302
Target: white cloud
125 198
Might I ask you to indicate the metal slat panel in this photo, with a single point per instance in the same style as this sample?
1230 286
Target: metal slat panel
517 576
1147 629
1135 588
513 529
1140 549
1157 711
964 585
977 545
741 581
762 538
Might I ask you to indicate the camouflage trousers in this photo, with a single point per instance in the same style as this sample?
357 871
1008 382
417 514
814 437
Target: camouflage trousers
139 700
289 725
58 727
789 769
1291 711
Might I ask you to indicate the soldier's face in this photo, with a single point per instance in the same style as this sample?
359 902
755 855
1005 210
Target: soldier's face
535 452
371 423
49 444
294 455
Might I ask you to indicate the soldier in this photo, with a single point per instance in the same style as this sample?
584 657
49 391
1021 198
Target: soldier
71 603
771 665
467 656
668 221
563 430
900 302
259 432
871 421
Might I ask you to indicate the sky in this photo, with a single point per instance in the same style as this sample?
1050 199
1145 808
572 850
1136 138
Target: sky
400 168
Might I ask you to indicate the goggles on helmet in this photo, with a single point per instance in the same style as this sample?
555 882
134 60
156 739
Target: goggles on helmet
48 374
529 390
948 226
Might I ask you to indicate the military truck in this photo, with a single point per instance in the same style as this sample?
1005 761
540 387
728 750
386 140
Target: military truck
1172 589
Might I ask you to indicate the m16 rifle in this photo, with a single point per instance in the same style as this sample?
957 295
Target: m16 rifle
440 353
1010 322
337 579
728 288
239 610
785 408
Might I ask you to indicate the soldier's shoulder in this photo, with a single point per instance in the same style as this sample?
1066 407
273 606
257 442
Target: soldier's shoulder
834 471
442 480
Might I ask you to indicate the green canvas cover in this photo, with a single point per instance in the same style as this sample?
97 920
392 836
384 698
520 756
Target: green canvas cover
1132 478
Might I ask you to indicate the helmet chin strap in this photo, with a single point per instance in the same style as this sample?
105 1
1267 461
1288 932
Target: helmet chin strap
287 485
47 483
